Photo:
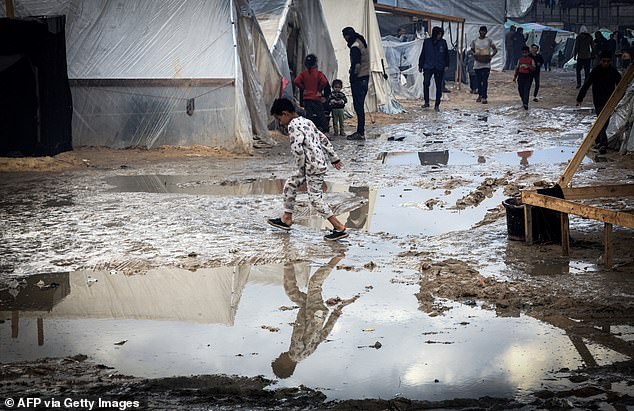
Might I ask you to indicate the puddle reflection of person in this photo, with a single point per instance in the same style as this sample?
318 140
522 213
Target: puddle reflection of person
313 323
524 157
359 216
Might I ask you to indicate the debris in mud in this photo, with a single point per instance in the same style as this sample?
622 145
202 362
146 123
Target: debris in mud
270 328
370 266
347 268
432 202
121 342
333 301
287 308
485 190
438 342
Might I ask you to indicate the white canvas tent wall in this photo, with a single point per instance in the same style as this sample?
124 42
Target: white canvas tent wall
489 13
360 15
137 67
620 130
294 29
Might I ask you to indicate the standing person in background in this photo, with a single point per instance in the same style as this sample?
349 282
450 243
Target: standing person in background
484 49
603 79
337 102
524 75
359 77
519 41
312 82
433 60
508 48
582 52
600 44
539 62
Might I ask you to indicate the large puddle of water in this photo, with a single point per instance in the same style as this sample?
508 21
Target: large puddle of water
554 155
278 321
394 210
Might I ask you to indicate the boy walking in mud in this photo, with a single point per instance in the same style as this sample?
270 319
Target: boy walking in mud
310 147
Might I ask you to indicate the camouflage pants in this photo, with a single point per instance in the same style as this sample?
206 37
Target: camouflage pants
314 186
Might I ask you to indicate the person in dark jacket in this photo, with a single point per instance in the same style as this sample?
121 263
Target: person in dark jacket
433 60
539 62
508 48
603 79
583 52
359 77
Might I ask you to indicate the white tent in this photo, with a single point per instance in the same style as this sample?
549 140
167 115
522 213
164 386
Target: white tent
294 29
148 73
360 15
620 131
489 13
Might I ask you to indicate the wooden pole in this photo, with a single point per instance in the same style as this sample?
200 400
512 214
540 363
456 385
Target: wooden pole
528 224
565 235
608 109
9 8
607 239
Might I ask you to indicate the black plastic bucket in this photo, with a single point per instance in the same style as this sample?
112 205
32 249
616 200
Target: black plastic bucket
514 219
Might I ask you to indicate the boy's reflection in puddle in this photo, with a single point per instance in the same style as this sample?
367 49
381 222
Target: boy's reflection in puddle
314 320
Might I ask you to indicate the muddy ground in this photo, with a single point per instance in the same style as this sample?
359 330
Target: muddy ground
129 212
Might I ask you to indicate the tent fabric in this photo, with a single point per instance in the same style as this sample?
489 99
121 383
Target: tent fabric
294 29
402 68
360 15
620 131
177 72
489 13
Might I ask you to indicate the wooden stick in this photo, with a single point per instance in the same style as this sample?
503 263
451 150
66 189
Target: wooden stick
528 223
565 235
9 8
608 109
607 240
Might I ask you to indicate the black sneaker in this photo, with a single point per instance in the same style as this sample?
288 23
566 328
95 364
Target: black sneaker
336 235
278 223
355 136
436 108
426 105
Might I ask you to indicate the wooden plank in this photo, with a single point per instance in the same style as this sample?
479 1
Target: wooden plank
617 190
617 94
10 10
566 206
419 13
528 223
151 82
565 235
607 243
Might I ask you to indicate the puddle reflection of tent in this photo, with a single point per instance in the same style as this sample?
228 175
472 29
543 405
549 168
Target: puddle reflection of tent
426 158
34 301
209 296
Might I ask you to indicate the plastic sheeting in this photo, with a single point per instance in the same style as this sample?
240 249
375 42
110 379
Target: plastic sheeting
518 8
294 29
489 13
175 72
402 68
360 15
620 131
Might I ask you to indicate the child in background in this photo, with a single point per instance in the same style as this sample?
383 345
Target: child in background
312 83
539 62
337 103
524 75
312 151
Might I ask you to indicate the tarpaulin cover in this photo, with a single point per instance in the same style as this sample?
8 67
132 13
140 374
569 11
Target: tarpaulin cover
489 13
294 29
178 72
360 15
